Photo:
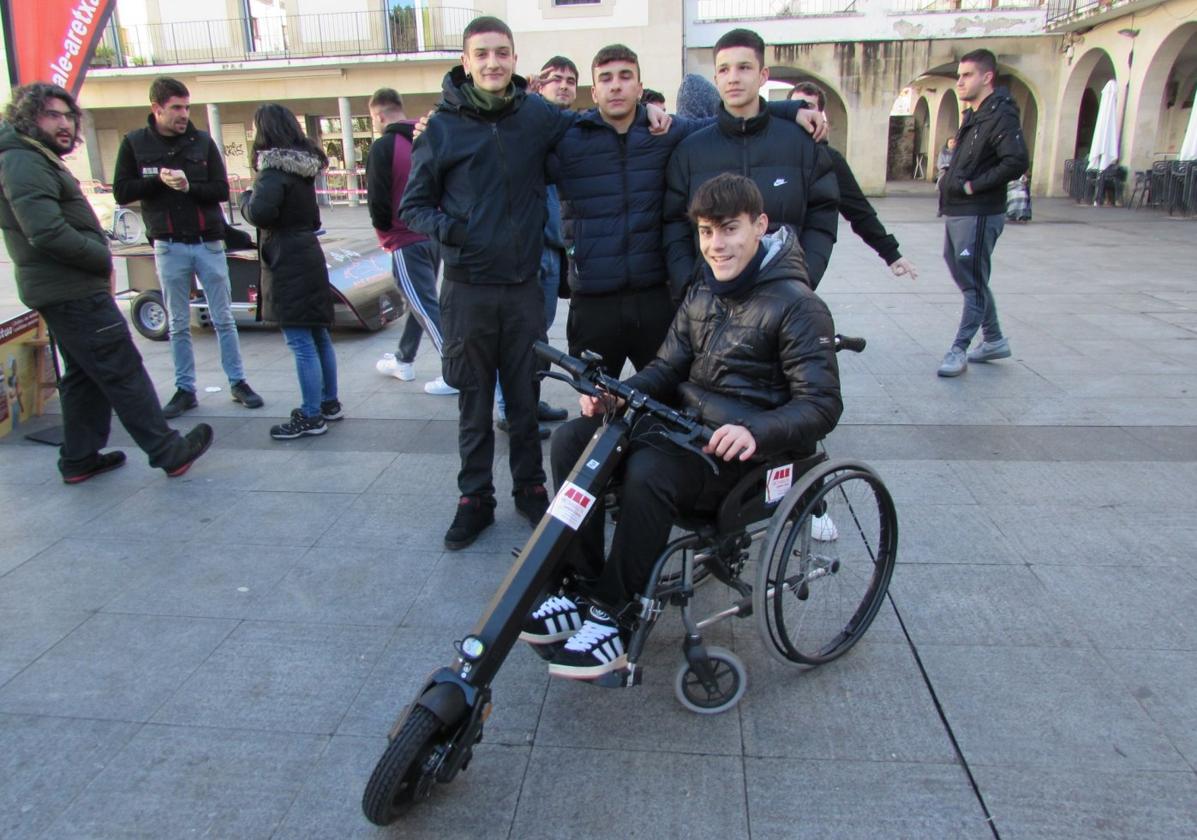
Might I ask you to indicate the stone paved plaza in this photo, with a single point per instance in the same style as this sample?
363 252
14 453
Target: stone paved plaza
222 655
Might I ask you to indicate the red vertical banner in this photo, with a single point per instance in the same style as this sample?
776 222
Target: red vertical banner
53 40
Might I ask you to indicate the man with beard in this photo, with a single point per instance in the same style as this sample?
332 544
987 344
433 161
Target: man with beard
63 270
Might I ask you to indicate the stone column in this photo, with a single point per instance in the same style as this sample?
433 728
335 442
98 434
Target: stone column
91 145
215 130
350 152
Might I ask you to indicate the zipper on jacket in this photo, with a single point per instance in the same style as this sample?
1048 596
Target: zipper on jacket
494 129
623 169
726 313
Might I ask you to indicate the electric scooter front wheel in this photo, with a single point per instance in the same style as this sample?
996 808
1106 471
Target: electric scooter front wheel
404 773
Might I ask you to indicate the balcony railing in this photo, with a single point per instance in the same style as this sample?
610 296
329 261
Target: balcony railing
1059 11
284 36
714 11
910 7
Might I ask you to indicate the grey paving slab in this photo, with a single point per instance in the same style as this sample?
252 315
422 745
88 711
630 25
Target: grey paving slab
1070 535
1078 804
480 803
1127 606
644 794
174 781
210 580
271 517
915 481
1165 684
315 470
280 677
46 762
837 800
181 508
80 574
999 605
460 587
30 632
414 653
948 533
1172 441
15 550
1045 708
869 705
115 667
347 586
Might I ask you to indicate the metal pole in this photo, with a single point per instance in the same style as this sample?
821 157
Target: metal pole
418 5
350 152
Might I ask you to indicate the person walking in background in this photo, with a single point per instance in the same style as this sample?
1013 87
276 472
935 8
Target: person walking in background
944 160
414 257
295 287
854 207
64 270
177 173
990 152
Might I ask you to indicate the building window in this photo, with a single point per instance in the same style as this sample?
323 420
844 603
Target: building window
577 2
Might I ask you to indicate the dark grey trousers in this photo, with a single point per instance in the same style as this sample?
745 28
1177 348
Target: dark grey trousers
967 248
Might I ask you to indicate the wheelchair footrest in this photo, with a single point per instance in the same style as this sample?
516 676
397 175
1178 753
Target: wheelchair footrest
627 678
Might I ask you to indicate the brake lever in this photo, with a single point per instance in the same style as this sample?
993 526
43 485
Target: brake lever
688 440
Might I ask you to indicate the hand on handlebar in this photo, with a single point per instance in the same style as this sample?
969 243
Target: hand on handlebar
596 406
730 440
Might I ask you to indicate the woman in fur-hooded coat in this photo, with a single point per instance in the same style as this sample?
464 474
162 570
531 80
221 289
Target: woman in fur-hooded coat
295 290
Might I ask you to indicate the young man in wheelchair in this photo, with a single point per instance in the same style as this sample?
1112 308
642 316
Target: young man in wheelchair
752 352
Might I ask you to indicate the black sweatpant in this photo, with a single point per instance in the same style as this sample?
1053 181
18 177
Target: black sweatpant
626 325
489 328
104 373
659 480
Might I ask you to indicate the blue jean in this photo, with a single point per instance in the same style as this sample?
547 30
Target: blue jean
414 268
177 263
315 364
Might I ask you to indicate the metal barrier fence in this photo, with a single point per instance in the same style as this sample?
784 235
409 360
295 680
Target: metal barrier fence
928 6
711 11
283 36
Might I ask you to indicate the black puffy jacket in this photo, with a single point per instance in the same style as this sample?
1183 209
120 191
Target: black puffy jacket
170 214
477 183
282 205
990 152
795 175
764 360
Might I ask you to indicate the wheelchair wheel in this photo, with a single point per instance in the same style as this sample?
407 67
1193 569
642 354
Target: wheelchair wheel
731 681
403 773
825 564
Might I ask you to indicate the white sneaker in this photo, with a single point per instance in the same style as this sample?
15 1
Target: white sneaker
388 365
823 529
439 388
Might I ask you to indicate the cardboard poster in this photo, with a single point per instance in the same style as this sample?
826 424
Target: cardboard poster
18 372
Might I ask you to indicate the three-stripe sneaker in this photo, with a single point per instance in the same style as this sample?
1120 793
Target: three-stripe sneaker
596 649
555 620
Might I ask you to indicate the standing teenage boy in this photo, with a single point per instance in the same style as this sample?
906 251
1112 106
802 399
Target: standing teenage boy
794 174
990 152
178 175
477 186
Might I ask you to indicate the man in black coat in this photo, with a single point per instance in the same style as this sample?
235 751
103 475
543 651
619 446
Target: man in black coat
990 152
854 207
177 173
795 175
752 352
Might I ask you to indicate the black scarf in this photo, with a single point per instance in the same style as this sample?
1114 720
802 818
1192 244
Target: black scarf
740 283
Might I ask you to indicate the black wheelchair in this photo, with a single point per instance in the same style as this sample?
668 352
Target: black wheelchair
828 538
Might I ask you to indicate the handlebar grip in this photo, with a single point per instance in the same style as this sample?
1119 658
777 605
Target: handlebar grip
852 343
548 352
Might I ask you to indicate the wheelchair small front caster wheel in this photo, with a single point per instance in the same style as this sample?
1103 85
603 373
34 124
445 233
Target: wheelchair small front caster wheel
731 681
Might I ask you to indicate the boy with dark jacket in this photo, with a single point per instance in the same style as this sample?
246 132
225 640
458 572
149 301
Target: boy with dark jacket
414 258
793 172
63 270
990 152
752 351
177 173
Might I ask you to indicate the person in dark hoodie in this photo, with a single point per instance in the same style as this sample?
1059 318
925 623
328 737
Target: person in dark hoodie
295 288
414 257
990 152
63 271
778 392
854 207
477 186
794 173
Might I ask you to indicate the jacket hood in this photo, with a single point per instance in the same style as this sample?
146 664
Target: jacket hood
783 258
997 102
737 126
404 127
13 140
453 97
295 161
697 98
